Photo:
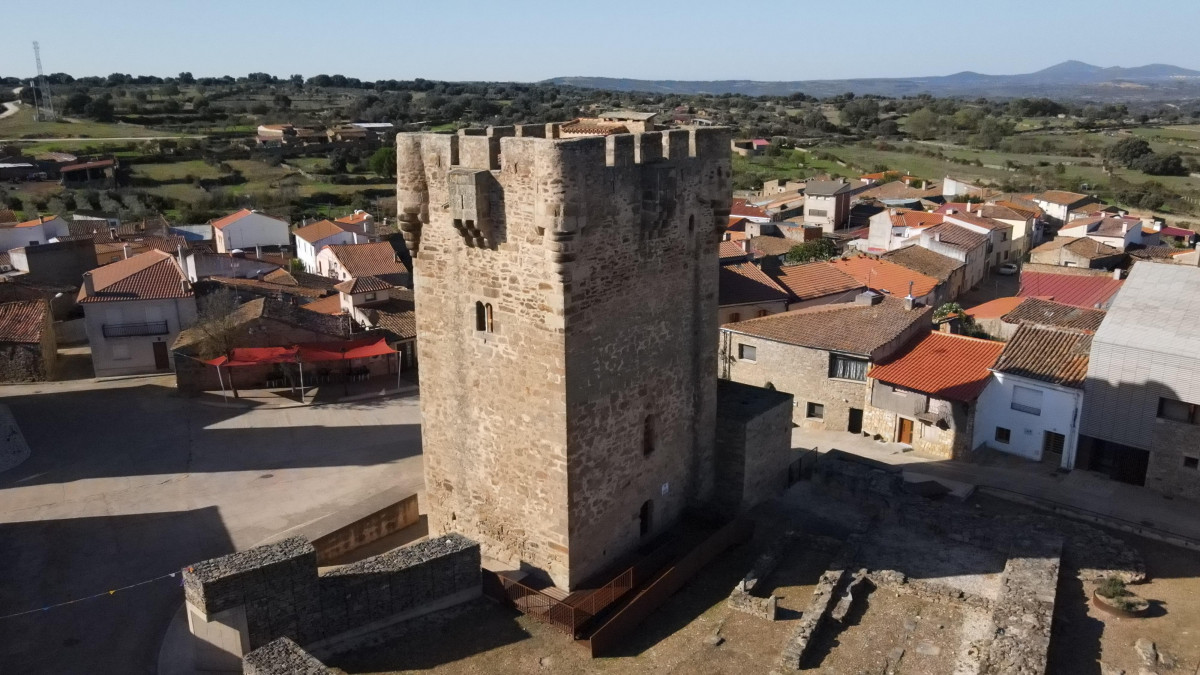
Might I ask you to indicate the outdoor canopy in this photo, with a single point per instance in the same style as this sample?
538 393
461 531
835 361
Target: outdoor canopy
312 352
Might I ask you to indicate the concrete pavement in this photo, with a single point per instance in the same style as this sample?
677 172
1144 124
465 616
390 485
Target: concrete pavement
127 482
1079 490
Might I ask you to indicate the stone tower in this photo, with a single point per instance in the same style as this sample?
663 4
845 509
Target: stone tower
566 294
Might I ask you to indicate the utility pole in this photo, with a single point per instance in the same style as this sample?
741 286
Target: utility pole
44 111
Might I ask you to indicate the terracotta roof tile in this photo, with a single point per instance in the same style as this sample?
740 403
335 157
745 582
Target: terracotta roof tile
742 209
881 275
330 304
22 321
396 315
151 275
1061 197
768 245
978 221
221 223
843 327
263 287
1080 291
951 367
1047 313
36 221
1054 355
743 283
994 309
916 219
736 224
730 250
366 284
924 261
816 279
355 218
956 236
322 229
364 260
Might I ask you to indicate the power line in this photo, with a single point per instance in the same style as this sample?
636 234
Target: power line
90 597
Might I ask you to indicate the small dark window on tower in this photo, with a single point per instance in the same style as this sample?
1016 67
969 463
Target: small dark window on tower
645 515
487 310
691 223
480 317
648 435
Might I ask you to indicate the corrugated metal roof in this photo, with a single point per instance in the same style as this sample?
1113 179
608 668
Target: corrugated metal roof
1080 291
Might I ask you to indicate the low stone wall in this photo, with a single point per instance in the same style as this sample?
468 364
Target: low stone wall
370 520
1024 611
823 600
282 657
244 600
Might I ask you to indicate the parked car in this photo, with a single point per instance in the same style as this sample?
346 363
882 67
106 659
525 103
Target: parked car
1008 269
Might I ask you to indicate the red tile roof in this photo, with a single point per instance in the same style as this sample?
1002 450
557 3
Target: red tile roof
331 304
1047 313
1054 355
22 321
364 260
742 209
322 229
1061 197
956 236
1176 232
222 223
743 283
152 275
367 284
978 221
816 279
354 218
731 250
736 224
1080 291
951 367
994 309
36 221
881 275
842 327
916 219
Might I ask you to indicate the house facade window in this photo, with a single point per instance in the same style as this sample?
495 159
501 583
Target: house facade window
842 367
1027 400
747 353
820 213
1178 411
735 317
763 312
815 411
1003 435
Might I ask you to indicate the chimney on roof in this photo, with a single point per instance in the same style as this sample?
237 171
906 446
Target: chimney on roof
908 180
258 252
868 298
179 255
1117 273
924 185
1124 226
125 250
89 286
909 300
745 245
937 236
951 212
112 233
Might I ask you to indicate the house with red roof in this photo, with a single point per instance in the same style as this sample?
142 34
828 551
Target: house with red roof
246 229
133 310
1096 292
28 350
925 396
746 292
39 230
310 239
892 279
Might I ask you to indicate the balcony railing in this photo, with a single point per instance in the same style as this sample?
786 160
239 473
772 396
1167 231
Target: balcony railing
135 329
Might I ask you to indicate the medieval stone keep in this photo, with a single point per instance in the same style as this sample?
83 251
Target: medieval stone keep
566 295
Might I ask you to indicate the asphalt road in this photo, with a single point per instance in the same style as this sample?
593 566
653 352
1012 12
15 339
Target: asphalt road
127 482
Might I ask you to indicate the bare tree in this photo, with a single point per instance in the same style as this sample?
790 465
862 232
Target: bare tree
217 323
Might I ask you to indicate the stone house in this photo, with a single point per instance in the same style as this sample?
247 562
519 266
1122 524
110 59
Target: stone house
817 283
1084 252
751 417
28 351
351 261
950 273
889 278
821 354
133 310
1141 407
746 292
827 204
1031 406
925 396
246 229
959 243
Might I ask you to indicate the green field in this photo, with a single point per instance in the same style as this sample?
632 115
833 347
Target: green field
177 170
22 126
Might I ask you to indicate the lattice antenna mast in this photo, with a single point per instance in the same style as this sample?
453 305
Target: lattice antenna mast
45 110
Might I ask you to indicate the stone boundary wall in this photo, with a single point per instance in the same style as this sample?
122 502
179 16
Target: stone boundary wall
1024 611
742 598
823 600
897 582
282 657
281 594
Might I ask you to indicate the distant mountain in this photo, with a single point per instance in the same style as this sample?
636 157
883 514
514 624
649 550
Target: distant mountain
1069 79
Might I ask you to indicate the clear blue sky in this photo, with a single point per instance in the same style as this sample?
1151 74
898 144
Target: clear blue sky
532 40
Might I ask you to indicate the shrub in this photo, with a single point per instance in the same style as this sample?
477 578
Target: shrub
1112 588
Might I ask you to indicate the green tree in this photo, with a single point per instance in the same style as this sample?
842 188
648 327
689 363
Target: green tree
922 124
810 251
383 161
1128 150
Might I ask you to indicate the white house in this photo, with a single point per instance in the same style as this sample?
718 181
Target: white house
1058 204
350 261
360 222
246 229
32 232
1120 232
133 310
1032 405
310 239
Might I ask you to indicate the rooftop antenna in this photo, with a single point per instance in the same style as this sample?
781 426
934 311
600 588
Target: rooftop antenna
44 108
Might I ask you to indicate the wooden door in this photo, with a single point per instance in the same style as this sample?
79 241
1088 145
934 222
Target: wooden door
904 434
160 356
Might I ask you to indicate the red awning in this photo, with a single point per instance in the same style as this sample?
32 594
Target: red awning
306 353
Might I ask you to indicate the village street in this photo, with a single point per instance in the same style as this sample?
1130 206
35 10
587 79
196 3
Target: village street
128 482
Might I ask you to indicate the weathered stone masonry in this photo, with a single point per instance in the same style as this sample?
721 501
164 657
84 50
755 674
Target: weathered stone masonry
566 296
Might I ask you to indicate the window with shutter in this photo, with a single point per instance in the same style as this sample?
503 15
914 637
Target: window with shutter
1027 400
